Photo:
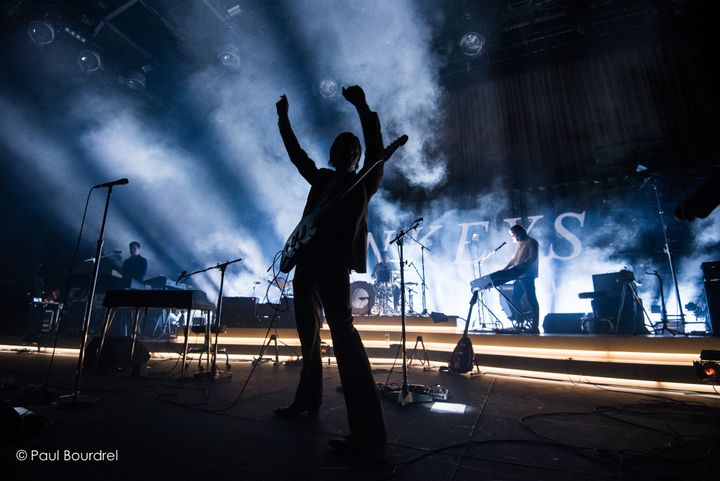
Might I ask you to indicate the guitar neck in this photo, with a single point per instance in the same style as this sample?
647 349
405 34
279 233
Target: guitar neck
473 300
376 160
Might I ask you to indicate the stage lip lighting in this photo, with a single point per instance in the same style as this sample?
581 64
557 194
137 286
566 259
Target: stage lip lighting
41 32
89 61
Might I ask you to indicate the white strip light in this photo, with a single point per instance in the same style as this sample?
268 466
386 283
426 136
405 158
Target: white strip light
539 375
452 408
623 357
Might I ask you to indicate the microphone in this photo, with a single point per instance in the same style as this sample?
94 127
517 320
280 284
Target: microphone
416 223
500 246
180 277
122 181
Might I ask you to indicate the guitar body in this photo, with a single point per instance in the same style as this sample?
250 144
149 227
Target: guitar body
463 356
307 229
298 241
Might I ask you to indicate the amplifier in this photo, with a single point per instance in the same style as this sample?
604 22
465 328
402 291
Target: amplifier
239 312
711 273
711 270
563 323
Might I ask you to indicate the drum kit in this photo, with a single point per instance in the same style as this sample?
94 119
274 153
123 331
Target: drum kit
367 299
380 298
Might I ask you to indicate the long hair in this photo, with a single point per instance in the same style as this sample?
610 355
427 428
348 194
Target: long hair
519 232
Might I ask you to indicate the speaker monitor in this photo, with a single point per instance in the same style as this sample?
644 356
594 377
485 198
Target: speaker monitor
238 312
563 323
711 273
115 356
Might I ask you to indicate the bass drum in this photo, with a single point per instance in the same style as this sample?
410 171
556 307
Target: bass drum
362 298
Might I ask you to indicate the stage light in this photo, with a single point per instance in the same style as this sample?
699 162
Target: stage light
328 88
41 32
235 10
471 44
708 367
89 61
229 56
75 35
640 168
133 80
452 408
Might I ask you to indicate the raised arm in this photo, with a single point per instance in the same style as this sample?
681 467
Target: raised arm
372 134
298 156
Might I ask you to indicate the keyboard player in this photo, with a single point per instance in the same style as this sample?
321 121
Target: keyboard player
526 259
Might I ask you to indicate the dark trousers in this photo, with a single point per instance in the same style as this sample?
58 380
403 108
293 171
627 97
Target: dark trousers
320 284
526 286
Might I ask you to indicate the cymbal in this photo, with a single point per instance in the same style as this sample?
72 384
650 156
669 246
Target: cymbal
411 283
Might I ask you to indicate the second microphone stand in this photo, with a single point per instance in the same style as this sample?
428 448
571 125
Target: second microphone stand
214 374
423 286
405 396
482 306
681 314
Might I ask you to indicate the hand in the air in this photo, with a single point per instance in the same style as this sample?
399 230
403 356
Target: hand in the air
282 106
355 95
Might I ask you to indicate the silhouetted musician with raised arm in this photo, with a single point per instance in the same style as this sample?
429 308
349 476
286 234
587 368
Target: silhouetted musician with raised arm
525 261
322 276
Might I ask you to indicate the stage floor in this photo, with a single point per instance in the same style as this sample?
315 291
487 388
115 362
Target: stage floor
504 428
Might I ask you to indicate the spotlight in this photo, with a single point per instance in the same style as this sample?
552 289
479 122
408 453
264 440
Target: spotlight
89 61
328 88
74 34
41 32
708 367
229 56
472 44
133 80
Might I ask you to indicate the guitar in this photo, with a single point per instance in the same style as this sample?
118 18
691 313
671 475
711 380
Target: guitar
307 228
463 356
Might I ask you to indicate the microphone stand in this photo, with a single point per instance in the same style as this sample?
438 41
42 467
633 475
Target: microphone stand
423 286
76 399
681 314
405 396
481 305
214 374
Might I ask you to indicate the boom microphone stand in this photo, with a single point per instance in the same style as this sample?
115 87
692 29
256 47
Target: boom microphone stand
76 399
482 306
406 397
681 314
663 312
214 374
